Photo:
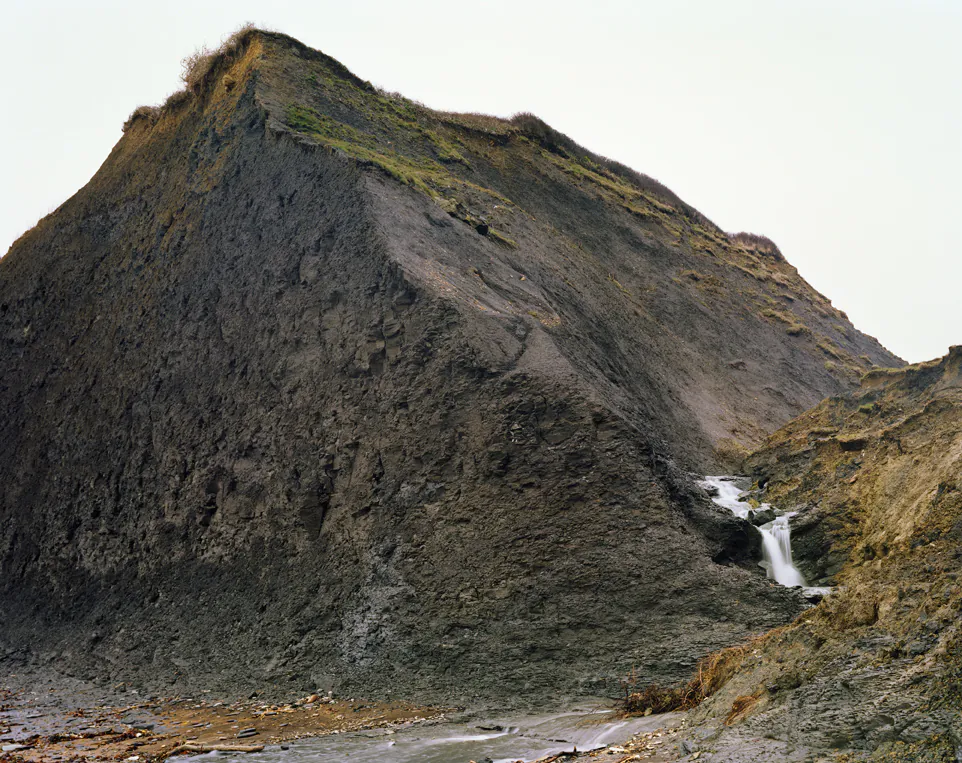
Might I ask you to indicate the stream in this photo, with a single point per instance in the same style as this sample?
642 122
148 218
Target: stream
501 740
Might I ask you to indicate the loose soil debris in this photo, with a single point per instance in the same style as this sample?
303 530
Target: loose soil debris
36 729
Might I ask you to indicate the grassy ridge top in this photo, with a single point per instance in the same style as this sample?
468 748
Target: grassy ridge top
397 128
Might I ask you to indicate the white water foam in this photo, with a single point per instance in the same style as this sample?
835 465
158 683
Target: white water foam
776 535
777 553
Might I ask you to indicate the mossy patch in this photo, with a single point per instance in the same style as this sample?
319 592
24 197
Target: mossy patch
423 174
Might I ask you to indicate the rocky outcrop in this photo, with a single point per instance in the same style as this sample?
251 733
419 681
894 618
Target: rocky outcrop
877 665
311 387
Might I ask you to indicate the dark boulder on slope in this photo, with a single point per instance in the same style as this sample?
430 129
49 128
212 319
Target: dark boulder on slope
274 414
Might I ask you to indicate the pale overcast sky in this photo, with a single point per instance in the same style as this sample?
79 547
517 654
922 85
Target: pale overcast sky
834 128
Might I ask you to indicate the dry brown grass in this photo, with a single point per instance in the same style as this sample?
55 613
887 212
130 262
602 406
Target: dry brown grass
484 123
176 99
149 113
197 67
711 674
756 243
741 707
654 699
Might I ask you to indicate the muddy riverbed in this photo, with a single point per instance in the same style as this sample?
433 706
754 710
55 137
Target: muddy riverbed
50 717
465 738
56 718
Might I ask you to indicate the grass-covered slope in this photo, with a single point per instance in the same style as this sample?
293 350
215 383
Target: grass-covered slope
877 666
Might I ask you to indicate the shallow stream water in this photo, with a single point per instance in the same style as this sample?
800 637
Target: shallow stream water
502 740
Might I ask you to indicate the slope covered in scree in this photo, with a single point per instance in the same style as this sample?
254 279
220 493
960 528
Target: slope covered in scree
874 477
312 387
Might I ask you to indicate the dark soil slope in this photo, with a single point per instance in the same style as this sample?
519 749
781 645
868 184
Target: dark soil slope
313 387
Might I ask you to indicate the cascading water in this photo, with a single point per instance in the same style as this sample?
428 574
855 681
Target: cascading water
726 495
776 535
777 552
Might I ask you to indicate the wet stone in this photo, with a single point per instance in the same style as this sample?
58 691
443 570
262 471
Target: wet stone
763 517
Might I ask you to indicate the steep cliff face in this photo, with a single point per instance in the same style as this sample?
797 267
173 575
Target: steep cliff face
874 478
311 386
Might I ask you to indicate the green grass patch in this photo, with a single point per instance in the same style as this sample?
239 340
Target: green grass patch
500 238
421 173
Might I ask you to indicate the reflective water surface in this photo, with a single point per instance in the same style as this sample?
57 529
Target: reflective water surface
502 740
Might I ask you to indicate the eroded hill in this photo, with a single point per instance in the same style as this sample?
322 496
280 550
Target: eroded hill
314 387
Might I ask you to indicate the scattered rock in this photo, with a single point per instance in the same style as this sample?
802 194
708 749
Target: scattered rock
915 648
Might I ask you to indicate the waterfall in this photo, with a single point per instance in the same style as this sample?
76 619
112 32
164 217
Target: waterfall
777 553
776 535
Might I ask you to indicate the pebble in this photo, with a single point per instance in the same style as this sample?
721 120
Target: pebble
246 733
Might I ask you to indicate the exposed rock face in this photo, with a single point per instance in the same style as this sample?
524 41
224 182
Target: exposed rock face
878 664
311 387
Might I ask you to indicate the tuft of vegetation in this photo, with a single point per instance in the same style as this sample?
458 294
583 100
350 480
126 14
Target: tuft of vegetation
176 99
703 281
149 113
741 707
711 674
778 315
793 326
829 347
199 68
500 238
756 243
196 68
492 126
